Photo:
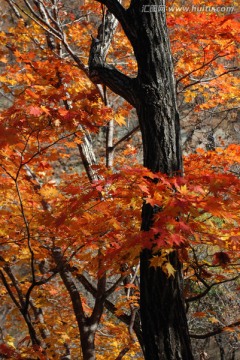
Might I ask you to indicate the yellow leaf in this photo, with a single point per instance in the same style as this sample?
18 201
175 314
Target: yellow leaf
9 340
120 120
213 320
183 189
4 59
119 312
49 192
169 269
63 339
157 261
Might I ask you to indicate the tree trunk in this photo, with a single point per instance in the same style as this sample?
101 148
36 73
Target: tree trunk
163 313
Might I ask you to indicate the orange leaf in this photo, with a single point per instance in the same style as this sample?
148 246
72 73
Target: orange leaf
199 314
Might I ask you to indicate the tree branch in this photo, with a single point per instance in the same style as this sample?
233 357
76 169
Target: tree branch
215 332
127 136
102 73
100 296
122 353
99 301
126 319
109 305
8 288
115 7
204 64
14 8
201 81
208 288
115 285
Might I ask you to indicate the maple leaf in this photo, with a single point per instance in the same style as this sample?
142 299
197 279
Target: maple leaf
60 220
229 329
150 201
169 269
176 239
213 320
35 110
120 119
199 314
32 94
182 226
45 110
63 112
157 261
183 190
144 188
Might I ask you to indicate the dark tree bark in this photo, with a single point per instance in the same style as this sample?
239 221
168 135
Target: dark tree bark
152 93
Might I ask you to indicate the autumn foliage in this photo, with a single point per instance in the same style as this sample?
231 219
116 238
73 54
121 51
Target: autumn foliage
48 202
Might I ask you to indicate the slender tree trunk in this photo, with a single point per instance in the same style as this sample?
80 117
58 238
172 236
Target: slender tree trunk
87 328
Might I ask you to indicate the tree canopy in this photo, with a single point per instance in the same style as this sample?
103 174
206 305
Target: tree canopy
73 184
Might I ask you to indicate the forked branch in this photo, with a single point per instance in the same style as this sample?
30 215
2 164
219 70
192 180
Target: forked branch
102 73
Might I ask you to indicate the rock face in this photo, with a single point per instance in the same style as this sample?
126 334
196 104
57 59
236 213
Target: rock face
217 348
210 130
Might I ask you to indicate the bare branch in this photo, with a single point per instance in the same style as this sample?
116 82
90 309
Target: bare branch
102 73
126 319
215 332
100 296
209 287
115 7
204 64
15 283
27 231
9 290
71 287
109 305
14 8
115 285
127 136
206 80
122 353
